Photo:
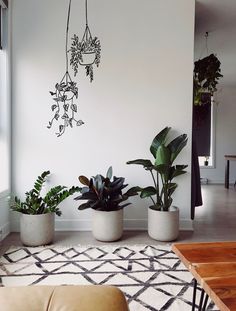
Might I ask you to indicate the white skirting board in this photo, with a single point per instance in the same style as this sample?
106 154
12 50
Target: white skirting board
129 224
85 225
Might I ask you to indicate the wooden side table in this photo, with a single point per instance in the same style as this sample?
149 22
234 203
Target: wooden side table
213 266
228 158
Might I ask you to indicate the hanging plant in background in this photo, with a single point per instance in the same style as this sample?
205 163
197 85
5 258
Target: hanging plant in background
86 52
206 74
64 96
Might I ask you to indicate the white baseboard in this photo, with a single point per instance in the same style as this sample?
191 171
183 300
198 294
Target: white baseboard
129 224
85 225
4 231
219 182
216 182
186 225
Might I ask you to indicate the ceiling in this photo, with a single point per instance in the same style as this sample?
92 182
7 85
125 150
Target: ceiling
218 18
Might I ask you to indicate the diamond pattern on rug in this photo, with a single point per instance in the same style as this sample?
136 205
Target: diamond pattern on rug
151 276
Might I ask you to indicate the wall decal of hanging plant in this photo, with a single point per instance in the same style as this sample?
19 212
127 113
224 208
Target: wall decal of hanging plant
86 52
64 96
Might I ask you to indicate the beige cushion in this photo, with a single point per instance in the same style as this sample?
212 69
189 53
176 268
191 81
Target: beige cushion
62 298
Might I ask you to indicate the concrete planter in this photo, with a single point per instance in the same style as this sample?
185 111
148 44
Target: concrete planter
163 226
36 230
107 226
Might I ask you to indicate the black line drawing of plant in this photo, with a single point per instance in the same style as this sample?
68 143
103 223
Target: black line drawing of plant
64 95
86 52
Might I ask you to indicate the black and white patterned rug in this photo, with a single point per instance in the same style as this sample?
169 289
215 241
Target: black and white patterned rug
151 277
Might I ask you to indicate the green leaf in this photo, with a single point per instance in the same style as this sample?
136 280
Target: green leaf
147 164
39 183
87 196
124 205
171 188
177 145
84 180
84 206
162 168
109 173
177 171
162 156
132 191
148 192
98 182
158 140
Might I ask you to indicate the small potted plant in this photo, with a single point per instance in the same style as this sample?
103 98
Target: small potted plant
163 217
104 195
206 74
38 213
206 162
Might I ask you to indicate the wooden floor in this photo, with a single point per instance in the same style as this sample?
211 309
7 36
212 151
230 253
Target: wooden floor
214 221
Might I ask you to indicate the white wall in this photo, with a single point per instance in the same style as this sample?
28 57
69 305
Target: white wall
144 83
225 141
4 127
4 216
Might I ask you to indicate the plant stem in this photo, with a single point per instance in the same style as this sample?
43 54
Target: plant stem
163 191
156 186
67 32
158 196
152 201
153 179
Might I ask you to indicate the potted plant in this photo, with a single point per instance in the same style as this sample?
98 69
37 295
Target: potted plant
104 195
38 213
163 217
206 162
206 74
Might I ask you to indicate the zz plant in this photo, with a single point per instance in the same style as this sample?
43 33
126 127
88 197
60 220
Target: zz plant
35 204
162 169
104 193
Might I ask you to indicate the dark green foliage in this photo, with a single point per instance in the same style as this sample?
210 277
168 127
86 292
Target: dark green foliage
163 169
103 193
206 74
34 204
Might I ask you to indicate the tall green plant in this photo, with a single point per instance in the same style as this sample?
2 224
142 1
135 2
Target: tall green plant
35 204
162 169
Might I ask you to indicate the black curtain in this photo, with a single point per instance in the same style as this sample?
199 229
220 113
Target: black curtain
196 194
0 27
201 145
202 126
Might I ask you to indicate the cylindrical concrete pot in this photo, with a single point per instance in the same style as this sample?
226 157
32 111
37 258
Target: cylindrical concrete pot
36 230
107 226
163 226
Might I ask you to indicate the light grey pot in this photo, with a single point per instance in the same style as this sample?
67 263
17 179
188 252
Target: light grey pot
107 226
36 230
163 226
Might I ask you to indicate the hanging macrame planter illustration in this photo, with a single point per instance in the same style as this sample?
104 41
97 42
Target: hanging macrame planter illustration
86 52
64 96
